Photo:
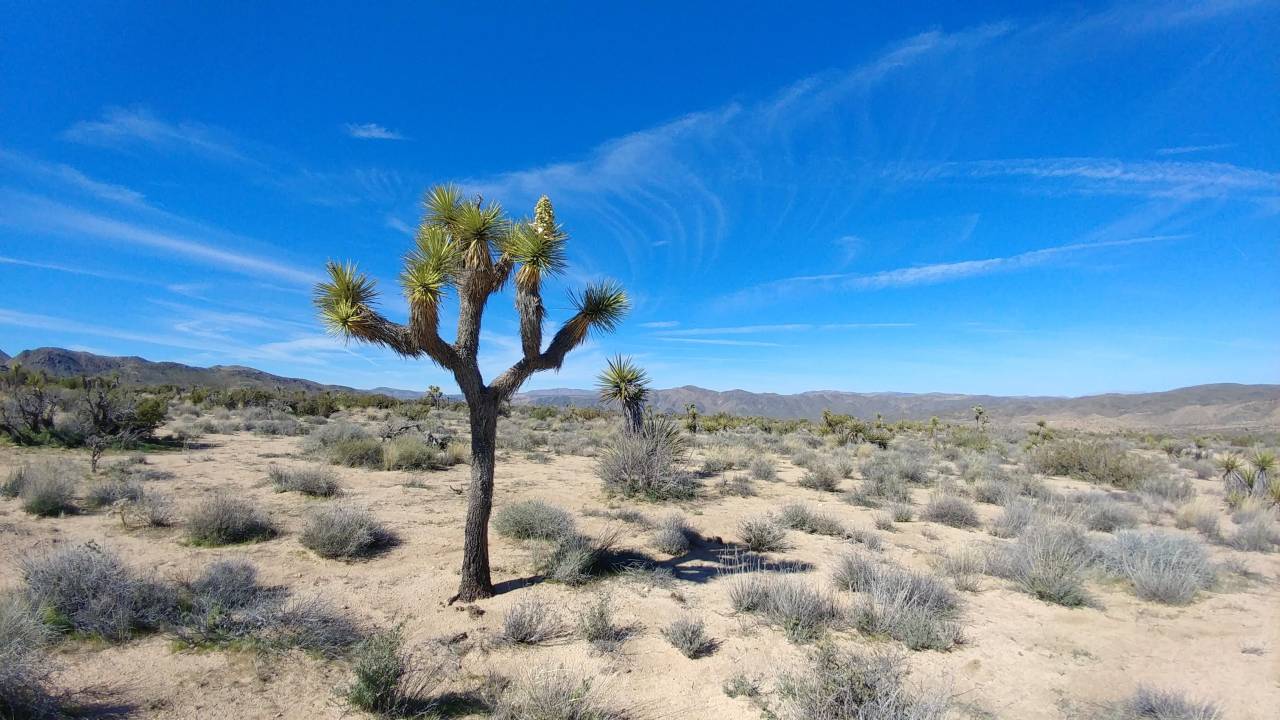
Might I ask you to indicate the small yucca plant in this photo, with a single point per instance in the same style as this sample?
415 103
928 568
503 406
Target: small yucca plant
626 384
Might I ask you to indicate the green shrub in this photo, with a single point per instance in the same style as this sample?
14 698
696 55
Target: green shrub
223 519
762 534
1106 463
343 531
851 685
647 463
533 520
689 635
357 453
313 481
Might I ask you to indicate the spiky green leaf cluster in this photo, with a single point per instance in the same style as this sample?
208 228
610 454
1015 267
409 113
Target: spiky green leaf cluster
603 305
623 382
345 299
430 268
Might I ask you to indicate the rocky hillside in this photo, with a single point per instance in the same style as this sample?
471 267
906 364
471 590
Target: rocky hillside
1223 405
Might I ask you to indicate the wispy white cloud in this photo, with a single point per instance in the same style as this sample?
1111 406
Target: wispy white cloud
73 270
372 131
399 225
660 324
1189 149
1164 179
40 214
716 341
778 328
66 175
927 274
124 128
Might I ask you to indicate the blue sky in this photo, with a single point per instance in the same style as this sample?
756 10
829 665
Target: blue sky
981 198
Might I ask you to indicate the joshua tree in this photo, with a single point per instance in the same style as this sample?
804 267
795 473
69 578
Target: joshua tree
979 416
435 394
1263 463
626 384
474 249
1230 465
691 417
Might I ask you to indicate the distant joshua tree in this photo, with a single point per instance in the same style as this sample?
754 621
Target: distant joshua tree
625 384
435 395
979 416
691 417
1262 462
473 249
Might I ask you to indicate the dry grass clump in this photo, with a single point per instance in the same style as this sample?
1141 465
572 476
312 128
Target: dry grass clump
313 481
357 453
1049 561
965 567
45 489
800 517
647 463
736 485
1163 566
596 625
88 590
1202 516
344 531
672 535
1259 533
530 622
106 493
910 607
553 695
533 520
414 453
1149 703
150 510
575 559
762 534
840 684
223 519
387 681
1101 513
689 635
1014 518
25 668
226 606
801 610
951 510
821 476
1095 461
763 469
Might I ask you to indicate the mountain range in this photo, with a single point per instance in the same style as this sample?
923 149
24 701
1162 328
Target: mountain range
1221 405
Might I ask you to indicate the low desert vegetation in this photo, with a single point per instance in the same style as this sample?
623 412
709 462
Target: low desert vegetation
1147 703
1165 521
1049 560
533 520
688 634
763 533
648 464
223 519
343 531
838 684
1161 565
796 516
788 601
913 608
672 535
313 481
952 510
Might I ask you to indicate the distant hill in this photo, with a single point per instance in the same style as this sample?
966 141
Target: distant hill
4 357
1208 406
58 362
1223 405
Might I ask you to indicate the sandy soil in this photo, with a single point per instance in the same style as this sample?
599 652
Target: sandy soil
1022 658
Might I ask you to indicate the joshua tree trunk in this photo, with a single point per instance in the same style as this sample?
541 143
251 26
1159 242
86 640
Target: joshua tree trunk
635 416
475 582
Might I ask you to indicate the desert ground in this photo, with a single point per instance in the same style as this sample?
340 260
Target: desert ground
1015 655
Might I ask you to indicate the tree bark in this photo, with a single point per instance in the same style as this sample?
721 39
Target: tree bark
635 416
475 583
